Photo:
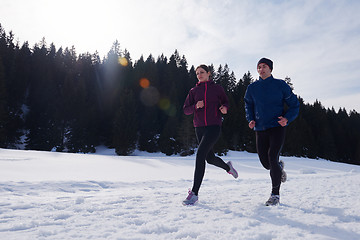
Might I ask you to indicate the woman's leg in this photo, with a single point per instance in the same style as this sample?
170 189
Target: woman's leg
212 136
199 162
207 137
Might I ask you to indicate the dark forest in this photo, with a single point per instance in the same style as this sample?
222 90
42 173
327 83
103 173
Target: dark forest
58 100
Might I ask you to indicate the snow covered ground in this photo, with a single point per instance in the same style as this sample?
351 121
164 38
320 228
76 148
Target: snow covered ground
45 195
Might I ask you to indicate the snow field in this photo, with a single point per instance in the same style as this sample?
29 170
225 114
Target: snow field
103 196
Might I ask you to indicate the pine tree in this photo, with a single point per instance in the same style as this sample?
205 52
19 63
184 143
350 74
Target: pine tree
288 81
246 135
221 147
126 125
324 146
4 117
186 136
168 138
83 135
9 57
299 137
225 79
75 103
149 96
18 88
43 131
353 131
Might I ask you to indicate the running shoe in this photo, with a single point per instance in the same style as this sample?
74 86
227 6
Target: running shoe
273 200
191 198
232 170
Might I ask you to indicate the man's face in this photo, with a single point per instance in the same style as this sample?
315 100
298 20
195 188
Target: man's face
264 70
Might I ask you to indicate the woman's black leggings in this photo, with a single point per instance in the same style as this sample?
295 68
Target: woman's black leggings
206 137
269 144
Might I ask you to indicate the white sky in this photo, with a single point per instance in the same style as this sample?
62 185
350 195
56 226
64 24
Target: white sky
314 42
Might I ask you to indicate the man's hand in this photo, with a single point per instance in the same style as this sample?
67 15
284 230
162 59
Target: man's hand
252 124
283 121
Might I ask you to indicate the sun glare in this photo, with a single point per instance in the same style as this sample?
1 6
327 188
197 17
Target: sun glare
123 61
149 96
164 104
144 83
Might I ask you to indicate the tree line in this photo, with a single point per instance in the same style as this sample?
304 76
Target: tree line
56 99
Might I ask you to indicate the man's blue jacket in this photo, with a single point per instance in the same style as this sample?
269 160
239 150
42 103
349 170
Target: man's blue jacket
264 103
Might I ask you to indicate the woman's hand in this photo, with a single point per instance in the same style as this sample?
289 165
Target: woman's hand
223 109
200 104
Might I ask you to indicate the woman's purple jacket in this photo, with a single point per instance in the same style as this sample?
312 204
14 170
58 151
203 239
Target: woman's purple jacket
213 96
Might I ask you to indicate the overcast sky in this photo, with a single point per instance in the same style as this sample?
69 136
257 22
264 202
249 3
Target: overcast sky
314 42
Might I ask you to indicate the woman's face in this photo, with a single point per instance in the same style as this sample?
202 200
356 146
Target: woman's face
264 70
202 75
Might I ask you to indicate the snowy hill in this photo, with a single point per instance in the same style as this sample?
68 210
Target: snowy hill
46 195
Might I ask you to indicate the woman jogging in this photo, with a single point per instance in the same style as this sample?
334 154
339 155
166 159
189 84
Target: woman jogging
264 106
207 101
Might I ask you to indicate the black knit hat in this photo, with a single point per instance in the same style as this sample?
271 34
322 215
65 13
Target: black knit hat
267 62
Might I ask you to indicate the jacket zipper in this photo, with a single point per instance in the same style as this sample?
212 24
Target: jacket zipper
205 103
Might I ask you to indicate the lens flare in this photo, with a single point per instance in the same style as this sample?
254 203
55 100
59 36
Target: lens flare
164 104
144 83
149 96
123 61
171 111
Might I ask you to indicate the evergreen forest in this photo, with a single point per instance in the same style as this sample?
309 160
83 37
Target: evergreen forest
58 100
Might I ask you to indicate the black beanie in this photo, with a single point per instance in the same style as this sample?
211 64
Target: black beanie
267 62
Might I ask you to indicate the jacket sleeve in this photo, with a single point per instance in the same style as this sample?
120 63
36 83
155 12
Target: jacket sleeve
189 105
249 105
293 104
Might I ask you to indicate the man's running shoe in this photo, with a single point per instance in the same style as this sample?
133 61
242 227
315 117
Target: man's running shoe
283 173
191 199
232 170
273 200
